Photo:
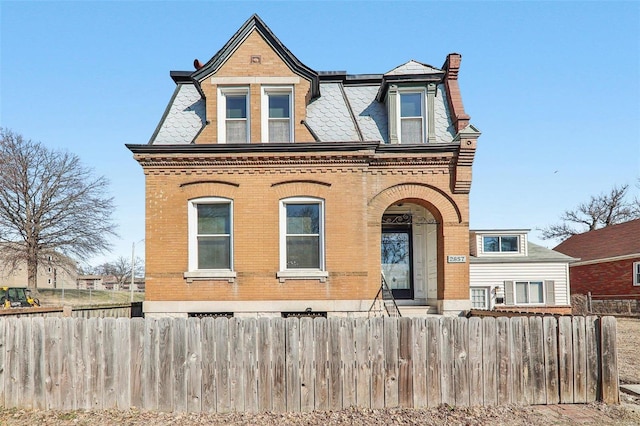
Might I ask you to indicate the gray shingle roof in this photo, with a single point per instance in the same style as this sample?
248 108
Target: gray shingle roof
336 116
183 119
370 114
444 126
329 116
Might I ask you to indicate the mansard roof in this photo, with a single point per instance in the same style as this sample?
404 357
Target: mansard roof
256 24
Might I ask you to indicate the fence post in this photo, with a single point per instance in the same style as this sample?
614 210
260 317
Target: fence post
589 306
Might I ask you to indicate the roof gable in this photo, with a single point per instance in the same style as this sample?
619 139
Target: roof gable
256 24
612 241
414 68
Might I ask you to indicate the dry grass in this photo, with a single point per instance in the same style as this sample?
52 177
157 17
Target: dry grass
628 346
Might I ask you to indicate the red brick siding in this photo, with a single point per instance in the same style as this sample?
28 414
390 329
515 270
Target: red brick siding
605 279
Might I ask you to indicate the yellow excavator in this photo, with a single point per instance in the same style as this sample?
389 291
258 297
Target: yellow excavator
17 297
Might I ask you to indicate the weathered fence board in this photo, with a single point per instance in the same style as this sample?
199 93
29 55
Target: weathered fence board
405 364
292 357
347 349
335 365
236 368
550 333
304 364
363 366
503 359
221 338
536 345
137 360
278 364
565 359
38 360
476 388
377 362
593 377
419 356
165 364
447 359
307 382
151 366
434 348
579 360
194 366
461 362
609 361
321 337
208 357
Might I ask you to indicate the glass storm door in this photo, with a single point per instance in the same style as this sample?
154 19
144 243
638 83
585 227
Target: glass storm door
396 259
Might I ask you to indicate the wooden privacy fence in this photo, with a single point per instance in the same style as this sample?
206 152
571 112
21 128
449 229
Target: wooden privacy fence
303 364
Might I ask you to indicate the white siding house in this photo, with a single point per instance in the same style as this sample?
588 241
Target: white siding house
507 272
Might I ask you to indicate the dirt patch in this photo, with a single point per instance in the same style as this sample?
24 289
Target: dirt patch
443 415
628 345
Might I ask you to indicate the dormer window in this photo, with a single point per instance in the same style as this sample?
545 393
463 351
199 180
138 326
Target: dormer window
233 111
411 117
500 244
277 107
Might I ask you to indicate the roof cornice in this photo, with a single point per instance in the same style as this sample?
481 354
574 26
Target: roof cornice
359 154
312 147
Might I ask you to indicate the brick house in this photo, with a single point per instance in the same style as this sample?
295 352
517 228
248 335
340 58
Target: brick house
507 272
272 188
609 264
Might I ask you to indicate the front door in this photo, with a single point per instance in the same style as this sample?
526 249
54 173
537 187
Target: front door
396 258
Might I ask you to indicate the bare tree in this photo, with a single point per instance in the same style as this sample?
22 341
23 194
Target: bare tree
120 269
600 211
52 208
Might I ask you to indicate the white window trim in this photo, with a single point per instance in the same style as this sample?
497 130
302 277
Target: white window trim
264 107
423 98
194 274
544 293
636 273
301 274
487 293
501 253
222 110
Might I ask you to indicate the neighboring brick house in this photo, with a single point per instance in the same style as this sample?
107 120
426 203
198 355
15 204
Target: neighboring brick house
273 188
510 273
609 264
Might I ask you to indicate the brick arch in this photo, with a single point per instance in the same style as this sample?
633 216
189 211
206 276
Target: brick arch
209 189
301 188
440 204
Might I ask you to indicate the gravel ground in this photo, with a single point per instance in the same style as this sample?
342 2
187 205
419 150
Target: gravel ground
627 413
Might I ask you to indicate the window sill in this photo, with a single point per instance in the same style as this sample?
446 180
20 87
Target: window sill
302 274
207 275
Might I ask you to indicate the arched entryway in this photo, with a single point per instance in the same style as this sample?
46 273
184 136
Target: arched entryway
437 230
409 252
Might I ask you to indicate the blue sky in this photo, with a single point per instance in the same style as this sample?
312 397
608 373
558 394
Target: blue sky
553 86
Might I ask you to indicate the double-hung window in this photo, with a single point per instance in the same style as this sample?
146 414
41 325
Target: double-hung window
412 117
210 234
277 110
500 244
636 273
302 238
233 115
529 292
